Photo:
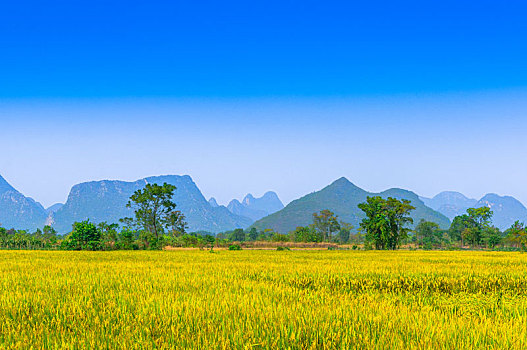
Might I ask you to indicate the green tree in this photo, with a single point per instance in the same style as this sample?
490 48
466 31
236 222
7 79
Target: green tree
109 234
279 237
492 237
209 240
471 227
480 218
253 234
154 212
85 236
306 234
344 234
386 220
326 222
237 235
428 234
4 238
517 234
49 231
458 228
176 223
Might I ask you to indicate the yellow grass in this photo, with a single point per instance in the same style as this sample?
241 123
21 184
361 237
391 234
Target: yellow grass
263 299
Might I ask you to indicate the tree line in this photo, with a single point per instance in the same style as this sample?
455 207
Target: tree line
386 227
156 224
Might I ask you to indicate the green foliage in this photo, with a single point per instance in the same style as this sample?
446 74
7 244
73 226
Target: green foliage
126 240
21 239
326 223
517 235
428 234
342 198
176 223
209 240
280 248
344 234
386 220
492 237
473 227
306 234
106 201
235 247
85 236
154 214
481 216
458 227
253 234
109 235
237 235
278 237
188 240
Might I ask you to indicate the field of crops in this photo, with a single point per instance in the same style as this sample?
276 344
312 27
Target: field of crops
263 299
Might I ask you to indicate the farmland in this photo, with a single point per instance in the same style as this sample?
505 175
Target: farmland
263 299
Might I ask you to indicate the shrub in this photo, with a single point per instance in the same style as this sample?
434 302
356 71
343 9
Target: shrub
235 247
85 236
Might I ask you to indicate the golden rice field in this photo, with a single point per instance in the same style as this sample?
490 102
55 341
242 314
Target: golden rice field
263 300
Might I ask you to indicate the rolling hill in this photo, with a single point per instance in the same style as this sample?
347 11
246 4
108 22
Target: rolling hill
341 197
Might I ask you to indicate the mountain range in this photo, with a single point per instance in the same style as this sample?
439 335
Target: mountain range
342 198
106 201
256 208
16 210
506 210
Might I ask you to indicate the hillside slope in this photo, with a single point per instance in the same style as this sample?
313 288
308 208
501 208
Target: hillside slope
506 210
256 208
18 211
341 197
450 203
106 201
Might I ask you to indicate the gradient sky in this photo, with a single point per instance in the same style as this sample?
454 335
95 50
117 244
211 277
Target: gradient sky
257 96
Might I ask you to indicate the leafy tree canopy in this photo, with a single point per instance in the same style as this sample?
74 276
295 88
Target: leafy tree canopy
386 220
154 213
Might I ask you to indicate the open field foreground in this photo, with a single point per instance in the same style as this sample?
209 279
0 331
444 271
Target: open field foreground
263 299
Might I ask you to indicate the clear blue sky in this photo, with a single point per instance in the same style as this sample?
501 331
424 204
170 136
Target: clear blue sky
247 96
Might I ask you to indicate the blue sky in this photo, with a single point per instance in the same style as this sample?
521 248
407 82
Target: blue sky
251 96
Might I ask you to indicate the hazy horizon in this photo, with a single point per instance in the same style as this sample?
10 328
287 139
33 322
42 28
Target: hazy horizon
249 97
231 147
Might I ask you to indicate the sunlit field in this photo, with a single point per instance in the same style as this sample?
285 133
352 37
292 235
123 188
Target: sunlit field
263 299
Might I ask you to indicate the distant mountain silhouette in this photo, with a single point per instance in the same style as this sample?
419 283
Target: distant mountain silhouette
256 208
54 208
342 197
506 210
18 211
213 203
106 201
449 203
